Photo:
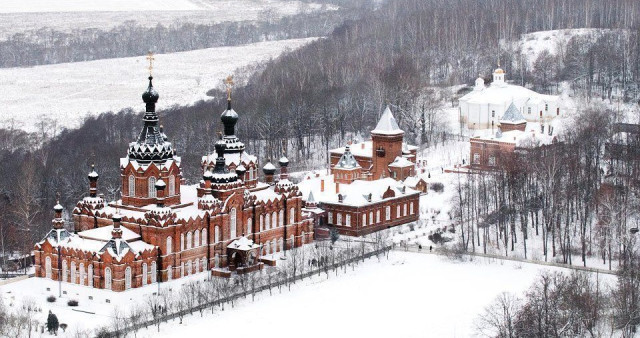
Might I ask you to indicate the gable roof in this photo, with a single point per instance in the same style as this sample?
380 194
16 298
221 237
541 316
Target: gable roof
347 161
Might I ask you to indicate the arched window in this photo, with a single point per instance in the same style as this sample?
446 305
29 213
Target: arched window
274 219
281 217
216 234
181 269
196 264
145 274
107 278
47 267
339 219
204 263
73 272
261 223
347 220
398 211
182 242
233 223
249 226
292 215
378 216
404 209
370 217
216 261
64 271
279 247
388 213
132 185
196 240
82 274
172 185
292 242
267 222
127 278
154 272
364 220
188 245
169 246
151 186
411 208
203 237
268 248
302 238
188 270
169 273
90 275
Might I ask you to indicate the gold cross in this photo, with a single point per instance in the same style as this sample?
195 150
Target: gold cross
150 58
229 83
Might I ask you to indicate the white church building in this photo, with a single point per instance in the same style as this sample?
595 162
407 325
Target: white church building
483 107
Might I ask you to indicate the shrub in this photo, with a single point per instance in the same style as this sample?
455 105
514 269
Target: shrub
72 302
51 299
437 187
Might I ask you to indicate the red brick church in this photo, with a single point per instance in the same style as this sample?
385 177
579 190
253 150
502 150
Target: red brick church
162 229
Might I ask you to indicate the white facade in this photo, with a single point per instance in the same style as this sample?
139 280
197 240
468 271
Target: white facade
484 106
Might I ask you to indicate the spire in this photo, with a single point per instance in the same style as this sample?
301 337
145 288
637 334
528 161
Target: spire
152 145
387 124
229 117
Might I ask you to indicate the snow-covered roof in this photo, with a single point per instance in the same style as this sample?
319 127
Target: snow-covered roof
504 93
513 115
521 139
266 195
365 149
232 158
269 166
243 243
354 194
104 233
411 181
387 124
401 162
347 161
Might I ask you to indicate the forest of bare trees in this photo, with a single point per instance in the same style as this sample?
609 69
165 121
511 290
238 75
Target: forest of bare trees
320 95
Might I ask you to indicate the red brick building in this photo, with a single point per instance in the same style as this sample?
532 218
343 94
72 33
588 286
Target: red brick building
375 157
492 152
162 229
361 207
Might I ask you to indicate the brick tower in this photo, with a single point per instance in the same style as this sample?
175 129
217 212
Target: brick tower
387 144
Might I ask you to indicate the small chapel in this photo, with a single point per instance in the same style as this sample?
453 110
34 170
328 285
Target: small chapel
162 229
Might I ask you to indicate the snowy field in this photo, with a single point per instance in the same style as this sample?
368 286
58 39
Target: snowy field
65 15
408 295
68 92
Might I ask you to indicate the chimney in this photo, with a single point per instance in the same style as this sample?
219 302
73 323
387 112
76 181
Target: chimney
322 185
284 162
337 188
116 232
269 170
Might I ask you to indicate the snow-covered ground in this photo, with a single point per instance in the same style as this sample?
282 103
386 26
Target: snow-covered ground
68 92
65 15
409 295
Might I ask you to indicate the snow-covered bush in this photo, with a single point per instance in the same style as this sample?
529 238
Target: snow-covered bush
51 299
72 302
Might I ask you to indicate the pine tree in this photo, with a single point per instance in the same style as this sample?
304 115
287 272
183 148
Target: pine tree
52 323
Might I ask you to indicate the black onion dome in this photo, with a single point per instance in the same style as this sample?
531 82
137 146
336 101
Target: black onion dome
283 161
229 119
221 172
269 168
150 95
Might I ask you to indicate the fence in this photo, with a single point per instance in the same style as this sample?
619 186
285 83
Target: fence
244 293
